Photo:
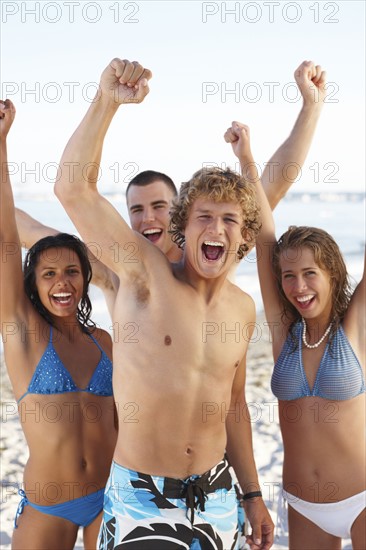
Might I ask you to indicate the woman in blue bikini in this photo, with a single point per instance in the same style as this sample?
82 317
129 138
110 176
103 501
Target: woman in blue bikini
60 368
318 332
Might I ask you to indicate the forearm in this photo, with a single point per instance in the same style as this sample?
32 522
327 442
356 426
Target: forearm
79 165
250 173
354 320
285 165
239 447
105 280
11 279
30 230
8 226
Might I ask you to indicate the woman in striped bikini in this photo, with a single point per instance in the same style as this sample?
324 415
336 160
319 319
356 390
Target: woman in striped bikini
318 337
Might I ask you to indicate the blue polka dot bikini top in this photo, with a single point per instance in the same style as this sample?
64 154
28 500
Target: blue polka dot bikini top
52 377
339 377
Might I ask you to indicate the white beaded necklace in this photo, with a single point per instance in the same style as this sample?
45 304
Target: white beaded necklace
313 346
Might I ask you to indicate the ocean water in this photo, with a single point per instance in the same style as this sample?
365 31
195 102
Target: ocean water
343 219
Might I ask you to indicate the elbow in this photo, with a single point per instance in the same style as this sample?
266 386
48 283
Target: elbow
59 191
274 196
66 194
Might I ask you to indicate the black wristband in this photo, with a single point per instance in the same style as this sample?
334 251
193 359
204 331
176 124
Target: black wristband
252 494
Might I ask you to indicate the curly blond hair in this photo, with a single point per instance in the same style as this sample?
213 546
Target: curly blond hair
218 185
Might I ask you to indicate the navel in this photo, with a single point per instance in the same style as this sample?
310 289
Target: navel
167 340
236 364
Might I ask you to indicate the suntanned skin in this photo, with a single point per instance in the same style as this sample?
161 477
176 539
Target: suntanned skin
169 361
324 450
147 205
150 201
65 461
148 209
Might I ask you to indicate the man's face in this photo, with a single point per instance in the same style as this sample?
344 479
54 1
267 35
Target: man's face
148 208
213 236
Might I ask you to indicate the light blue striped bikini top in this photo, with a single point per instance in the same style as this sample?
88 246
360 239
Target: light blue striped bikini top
52 377
339 377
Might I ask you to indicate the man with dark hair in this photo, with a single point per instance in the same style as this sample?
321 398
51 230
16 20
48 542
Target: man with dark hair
149 197
151 176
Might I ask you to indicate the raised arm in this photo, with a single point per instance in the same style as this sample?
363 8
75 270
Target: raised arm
355 320
31 230
284 166
239 443
99 223
12 297
239 137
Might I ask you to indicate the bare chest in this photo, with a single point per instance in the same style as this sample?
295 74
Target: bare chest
182 330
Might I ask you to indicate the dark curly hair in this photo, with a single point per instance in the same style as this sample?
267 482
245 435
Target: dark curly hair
328 257
61 240
218 185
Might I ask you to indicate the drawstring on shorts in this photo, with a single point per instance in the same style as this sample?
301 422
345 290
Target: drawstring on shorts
192 489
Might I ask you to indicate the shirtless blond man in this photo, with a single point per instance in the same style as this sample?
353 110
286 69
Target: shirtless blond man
170 479
150 194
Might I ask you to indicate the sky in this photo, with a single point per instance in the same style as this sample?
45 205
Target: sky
212 62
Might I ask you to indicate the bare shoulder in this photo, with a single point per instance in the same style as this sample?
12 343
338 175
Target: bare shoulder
242 300
238 292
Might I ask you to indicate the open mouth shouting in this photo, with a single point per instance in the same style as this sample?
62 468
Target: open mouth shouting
62 298
212 250
305 301
153 234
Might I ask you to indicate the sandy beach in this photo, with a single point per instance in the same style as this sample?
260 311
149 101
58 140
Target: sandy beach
266 439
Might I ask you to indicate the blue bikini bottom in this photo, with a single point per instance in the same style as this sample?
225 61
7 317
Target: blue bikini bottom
81 511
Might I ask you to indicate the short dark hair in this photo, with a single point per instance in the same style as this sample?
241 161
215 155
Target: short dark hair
150 176
61 240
